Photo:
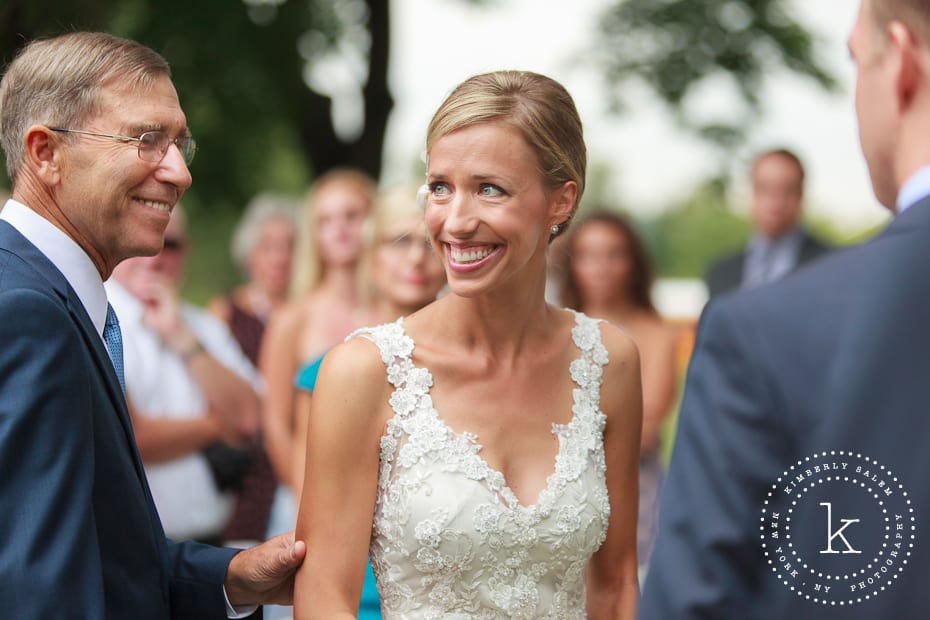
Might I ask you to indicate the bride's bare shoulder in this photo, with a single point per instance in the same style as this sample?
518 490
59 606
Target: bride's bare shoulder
621 348
352 374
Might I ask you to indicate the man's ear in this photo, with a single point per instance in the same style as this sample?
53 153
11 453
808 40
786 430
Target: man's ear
563 202
908 75
42 152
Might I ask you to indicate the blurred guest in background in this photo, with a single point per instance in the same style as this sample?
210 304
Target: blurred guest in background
779 244
262 247
404 274
188 386
327 304
609 276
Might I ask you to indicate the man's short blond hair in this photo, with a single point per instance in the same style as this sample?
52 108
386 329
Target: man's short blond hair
915 14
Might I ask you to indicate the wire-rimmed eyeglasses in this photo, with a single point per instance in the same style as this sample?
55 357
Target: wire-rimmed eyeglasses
152 144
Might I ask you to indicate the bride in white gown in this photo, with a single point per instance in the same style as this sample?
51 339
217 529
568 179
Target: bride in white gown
484 450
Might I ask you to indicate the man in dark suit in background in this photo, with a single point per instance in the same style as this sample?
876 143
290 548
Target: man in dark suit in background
97 149
797 487
780 244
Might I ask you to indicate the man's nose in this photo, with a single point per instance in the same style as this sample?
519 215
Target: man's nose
173 169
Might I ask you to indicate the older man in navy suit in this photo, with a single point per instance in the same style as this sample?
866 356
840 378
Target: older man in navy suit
797 487
97 149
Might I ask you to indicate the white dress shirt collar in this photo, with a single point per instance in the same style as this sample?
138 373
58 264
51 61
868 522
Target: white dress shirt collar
915 188
74 264
129 306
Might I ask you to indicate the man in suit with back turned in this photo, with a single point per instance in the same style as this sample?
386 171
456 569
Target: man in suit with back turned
97 149
780 243
797 487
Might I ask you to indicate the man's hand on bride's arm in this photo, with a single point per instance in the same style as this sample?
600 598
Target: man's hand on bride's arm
264 574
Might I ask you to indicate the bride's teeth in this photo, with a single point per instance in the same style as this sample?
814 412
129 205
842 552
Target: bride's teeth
465 256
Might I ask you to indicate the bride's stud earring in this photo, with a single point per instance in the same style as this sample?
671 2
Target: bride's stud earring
554 229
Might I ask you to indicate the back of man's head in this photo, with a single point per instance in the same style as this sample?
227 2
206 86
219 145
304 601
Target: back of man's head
56 82
915 14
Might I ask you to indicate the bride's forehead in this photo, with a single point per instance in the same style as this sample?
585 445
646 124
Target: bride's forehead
480 150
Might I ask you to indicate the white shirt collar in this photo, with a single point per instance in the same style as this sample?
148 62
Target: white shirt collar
915 188
130 308
74 264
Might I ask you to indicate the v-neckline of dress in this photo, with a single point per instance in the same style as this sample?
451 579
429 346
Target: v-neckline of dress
496 479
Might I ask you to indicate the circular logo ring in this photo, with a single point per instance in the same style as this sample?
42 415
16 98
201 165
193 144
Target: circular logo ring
891 531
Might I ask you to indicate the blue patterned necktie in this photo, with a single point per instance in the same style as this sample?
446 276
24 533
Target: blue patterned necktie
114 341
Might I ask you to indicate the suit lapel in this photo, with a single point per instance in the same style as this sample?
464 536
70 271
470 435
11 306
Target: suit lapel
105 367
17 244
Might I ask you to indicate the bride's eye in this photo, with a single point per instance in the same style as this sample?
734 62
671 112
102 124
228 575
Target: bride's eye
489 190
439 189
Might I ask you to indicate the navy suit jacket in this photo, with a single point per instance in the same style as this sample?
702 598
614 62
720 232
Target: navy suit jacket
834 359
79 534
727 274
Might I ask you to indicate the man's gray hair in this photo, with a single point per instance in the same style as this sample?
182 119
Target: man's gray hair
57 82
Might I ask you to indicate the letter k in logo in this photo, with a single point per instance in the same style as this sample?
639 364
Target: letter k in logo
838 533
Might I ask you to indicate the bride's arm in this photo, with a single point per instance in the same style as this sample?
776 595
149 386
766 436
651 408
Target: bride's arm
612 583
346 421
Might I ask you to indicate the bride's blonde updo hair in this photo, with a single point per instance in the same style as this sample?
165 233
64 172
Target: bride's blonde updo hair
537 106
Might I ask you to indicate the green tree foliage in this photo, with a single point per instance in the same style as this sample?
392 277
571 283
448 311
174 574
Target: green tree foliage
676 47
687 238
251 75
261 79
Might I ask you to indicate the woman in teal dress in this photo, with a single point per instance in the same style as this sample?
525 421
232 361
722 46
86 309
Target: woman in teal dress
404 276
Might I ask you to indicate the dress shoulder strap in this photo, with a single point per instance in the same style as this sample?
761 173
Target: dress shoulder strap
587 371
394 345
411 389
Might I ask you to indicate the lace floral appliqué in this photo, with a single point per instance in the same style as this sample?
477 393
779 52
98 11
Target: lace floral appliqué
449 539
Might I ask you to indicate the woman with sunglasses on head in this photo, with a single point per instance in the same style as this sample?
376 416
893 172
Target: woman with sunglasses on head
484 450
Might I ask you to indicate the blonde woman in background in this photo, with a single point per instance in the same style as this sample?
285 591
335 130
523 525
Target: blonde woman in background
327 303
405 275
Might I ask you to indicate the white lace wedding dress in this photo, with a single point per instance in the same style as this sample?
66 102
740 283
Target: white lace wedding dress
450 540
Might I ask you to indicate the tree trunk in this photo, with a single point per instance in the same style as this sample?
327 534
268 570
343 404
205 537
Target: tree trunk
324 148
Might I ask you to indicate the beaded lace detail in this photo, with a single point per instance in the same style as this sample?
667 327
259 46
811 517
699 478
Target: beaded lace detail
450 539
